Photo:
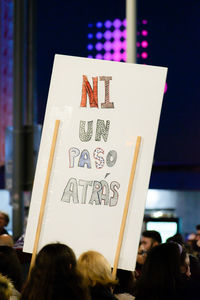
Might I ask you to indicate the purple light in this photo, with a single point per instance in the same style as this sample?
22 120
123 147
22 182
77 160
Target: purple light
99 35
117 56
144 22
99 24
117 45
138 33
144 55
165 88
138 55
90 46
99 46
124 33
124 56
124 45
108 35
138 44
144 44
117 23
90 56
107 56
90 35
108 24
124 23
108 46
144 32
99 56
117 34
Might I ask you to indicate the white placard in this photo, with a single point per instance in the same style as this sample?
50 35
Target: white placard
94 154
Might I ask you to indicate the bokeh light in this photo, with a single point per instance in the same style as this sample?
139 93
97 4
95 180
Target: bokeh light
99 24
144 55
144 44
111 41
90 47
99 46
144 32
90 35
107 34
108 24
99 35
117 23
99 56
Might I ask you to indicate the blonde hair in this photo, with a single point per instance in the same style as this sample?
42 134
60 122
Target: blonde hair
5 288
95 269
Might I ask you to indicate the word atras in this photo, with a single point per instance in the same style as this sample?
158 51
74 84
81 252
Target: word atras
102 192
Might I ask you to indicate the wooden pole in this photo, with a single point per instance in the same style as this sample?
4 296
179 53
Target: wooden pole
45 191
126 206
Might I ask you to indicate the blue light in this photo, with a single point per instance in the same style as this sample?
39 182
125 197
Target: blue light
99 24
90 46
90 35
108 24
90 25
99 46
90 56
99 35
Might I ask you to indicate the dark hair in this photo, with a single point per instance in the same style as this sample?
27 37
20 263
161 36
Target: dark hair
198 227
10 266
176 238
161 273
6 217
54 276
155 235
126 282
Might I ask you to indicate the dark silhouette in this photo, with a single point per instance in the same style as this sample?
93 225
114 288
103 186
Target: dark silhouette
162 278
10 266
54 276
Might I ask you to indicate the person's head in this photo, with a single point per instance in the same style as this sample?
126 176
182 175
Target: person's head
10 266
6 240
177 238
161 272
95 269
54 275
150 239
5 288
198 231
184 261
4 219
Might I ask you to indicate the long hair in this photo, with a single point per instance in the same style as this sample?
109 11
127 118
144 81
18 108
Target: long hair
10 266
54 276
161 273
95 269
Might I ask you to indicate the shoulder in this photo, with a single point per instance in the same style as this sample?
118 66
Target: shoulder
124 296
15 294
102 293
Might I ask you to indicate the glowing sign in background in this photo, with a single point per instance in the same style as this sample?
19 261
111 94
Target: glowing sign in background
107 40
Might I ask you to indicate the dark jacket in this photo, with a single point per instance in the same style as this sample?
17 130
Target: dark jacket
100 292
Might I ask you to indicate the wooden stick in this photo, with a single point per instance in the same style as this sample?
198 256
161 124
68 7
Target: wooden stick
126 206
44 196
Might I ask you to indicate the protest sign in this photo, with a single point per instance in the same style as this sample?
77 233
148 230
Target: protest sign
103 107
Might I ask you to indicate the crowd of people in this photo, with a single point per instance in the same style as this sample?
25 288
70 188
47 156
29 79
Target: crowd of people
163 271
